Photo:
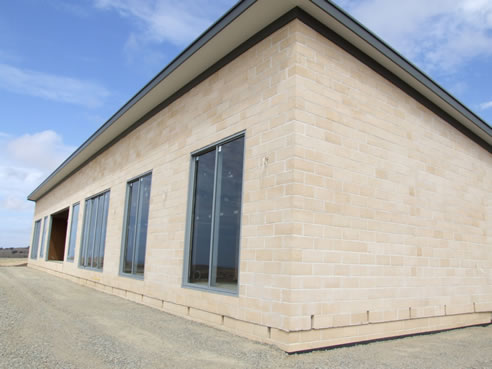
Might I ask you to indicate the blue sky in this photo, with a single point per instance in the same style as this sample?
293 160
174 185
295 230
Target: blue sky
67 65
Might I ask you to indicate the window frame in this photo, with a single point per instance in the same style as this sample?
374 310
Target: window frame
84 224
46 222
35 236
70 232
125 225
189 221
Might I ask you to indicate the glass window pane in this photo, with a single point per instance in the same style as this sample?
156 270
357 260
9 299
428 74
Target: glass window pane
94 231
131 226
202 218
98 231
73 232
100 263
35 240
88 238
43 238
143 220
85 233
228 215
137 214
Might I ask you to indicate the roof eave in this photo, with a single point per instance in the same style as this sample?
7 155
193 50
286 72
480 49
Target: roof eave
325 12
406 66
219 25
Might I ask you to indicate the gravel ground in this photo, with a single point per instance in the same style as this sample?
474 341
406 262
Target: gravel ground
48 322
13 262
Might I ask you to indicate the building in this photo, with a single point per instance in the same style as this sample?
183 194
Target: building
290 178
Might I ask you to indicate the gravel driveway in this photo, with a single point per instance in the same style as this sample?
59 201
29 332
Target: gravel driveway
48 322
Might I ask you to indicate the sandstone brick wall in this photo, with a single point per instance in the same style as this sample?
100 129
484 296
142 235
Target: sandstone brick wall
252 93
364 214
392 206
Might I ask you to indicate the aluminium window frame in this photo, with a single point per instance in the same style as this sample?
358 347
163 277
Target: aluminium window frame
70 232
35 234
100 270
124 228
189 220
48 236
44 237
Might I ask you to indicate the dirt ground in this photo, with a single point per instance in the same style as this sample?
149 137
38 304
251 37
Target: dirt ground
48 322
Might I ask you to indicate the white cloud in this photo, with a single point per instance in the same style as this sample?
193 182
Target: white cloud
44 150
12 202
177 22
440 35
52 87
486 105
135 51
17 231
24 162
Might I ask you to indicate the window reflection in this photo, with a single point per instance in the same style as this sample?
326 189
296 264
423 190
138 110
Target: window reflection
202 217
73 232
94 231
138 199
216 216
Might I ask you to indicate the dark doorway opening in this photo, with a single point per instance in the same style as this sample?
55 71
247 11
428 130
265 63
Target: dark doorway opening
58 235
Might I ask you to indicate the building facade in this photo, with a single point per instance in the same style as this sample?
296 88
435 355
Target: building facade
295 191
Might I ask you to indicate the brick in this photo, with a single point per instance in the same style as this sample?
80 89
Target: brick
136 297
156 303
345 182
205 316
175 309
245 327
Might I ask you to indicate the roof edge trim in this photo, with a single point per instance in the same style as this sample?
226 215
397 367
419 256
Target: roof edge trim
240 7
390 76
283 20
294 13
369 37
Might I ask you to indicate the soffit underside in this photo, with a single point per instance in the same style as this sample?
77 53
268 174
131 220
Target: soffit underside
249 19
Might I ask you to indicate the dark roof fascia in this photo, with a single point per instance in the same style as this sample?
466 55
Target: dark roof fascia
258 37
347 21
238 9
389 76
306 18
196 45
